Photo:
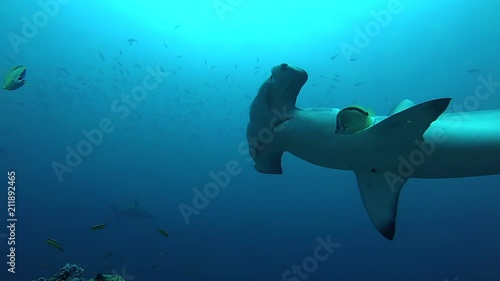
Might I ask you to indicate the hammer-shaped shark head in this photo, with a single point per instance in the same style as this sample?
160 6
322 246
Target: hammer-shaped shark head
273 105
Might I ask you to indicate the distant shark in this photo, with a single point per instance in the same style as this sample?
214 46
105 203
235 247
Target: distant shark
413 141
134 212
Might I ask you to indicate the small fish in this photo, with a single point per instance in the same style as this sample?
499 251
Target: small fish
473 70
62 70
236 66
131 41
257 59
322 76
333 57
212 67
98 226
108 255
357 84
353 59
55 244
164 44
163 232
15 78
180 56
177 26
154 266
161 68
102 57
257 67
46 265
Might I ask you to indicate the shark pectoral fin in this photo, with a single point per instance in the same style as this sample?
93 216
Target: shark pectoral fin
380 195
393 136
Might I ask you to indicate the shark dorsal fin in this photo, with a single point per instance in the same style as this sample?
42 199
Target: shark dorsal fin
411 123
403 105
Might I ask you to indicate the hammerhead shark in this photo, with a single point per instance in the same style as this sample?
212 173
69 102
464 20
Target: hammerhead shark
134 212
413 141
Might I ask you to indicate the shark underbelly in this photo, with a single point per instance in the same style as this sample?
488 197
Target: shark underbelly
310 135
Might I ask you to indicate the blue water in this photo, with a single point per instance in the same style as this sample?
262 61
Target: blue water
190 122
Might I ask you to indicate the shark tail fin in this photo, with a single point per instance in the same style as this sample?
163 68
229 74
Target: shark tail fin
380 188
115 210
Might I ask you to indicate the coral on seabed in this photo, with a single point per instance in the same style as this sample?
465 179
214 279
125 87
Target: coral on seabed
73 272
70 272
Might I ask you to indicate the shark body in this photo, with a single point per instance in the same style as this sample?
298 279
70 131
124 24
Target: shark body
413 141
133 212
